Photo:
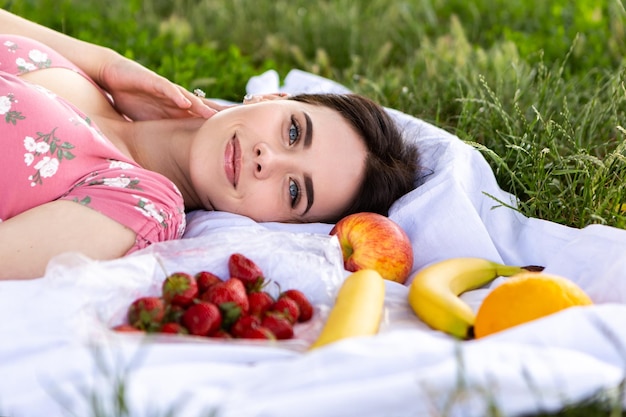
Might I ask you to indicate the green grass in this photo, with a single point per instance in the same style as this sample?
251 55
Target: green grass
537 85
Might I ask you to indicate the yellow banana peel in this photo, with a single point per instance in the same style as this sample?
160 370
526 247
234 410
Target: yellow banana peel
358 308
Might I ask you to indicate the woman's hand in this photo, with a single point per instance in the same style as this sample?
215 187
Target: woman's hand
141 94
138 93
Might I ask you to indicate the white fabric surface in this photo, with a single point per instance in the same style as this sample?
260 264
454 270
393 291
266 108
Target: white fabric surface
56 349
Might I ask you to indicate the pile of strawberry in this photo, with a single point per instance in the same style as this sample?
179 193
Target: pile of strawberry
205 305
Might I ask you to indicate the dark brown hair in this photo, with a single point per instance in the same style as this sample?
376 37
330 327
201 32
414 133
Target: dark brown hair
391 164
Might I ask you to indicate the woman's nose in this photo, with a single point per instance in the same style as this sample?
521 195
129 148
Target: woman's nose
266 160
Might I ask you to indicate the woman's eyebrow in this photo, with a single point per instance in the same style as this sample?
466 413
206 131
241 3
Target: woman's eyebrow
308 133
308 185
308 182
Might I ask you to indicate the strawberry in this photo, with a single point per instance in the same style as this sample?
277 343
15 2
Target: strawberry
205 279
260 302
239 266
146 313
305 306
126 328
229 293
173 328
288 307
243 324
258 332
279 325
180 289
220 334
173 313
202 318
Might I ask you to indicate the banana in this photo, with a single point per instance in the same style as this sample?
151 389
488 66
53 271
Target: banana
358 308
435 289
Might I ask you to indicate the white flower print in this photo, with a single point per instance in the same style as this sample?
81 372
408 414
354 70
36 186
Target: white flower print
121 182
148 209
120 164
24 66
37 59
29 158
11 46
42 147
47 167
51 150
37 56
5 104
10 116
30 144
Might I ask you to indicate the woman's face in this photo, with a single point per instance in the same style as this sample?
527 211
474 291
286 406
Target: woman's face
278 160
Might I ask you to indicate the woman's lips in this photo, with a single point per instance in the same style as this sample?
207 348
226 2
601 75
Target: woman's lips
232 161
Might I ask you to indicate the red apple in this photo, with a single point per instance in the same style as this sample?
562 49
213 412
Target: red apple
373 241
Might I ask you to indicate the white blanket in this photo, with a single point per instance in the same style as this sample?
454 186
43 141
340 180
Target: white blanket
57 352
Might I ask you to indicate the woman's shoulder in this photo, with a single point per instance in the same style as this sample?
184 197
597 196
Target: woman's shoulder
53 151
142 200
20 55
41 65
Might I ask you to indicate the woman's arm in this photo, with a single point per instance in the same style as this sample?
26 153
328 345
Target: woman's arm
29 240
138 92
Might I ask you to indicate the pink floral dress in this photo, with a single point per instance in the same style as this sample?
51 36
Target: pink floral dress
51 151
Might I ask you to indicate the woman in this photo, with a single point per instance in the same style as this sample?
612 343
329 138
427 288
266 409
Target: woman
104 157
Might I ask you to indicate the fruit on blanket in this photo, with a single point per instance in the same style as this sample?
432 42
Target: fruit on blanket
173 328
434 291
243 268
180 289
258 332
304 305
260 303
243 324
146 313
202 304
204 279
525 297
251 327
125 327
230 296
280 326
221 334
373 241
358 308
173 313
287 307
202 319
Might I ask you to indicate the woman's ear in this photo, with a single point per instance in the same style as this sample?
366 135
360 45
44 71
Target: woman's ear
257 98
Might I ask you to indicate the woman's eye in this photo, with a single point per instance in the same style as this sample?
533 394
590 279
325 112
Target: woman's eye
294 193
294 131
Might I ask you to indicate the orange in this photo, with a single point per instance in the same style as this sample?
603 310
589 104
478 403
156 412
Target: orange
525 297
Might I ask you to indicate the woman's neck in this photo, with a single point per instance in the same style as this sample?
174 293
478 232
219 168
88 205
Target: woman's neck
164 146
